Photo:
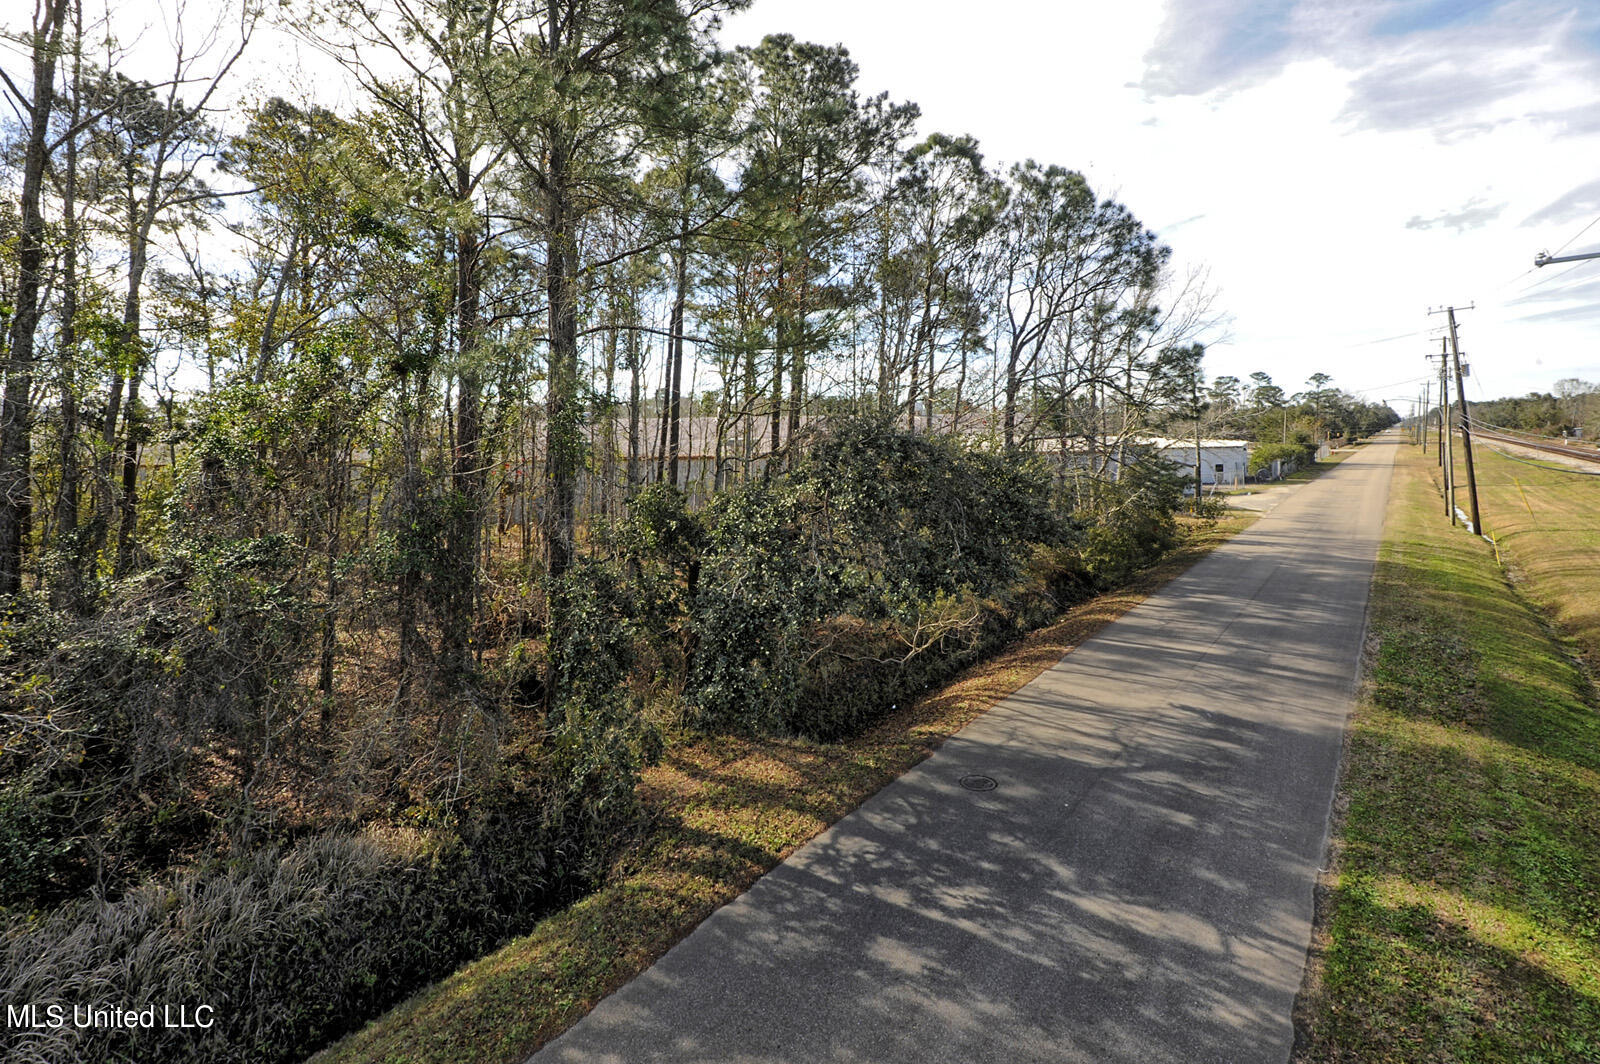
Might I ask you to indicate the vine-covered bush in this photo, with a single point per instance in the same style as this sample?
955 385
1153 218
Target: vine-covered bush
763 580
806 598
1134 523
189 671
597 738
1300 452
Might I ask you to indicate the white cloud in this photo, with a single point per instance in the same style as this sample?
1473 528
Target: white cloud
1577 203
1473 214
1339 165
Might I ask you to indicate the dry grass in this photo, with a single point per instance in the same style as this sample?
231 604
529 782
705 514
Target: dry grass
720 812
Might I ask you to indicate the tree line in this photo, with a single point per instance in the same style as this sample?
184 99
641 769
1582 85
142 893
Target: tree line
507 250
1572 409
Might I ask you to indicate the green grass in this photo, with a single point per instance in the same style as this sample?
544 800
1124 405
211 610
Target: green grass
720 811
1463 919
1547 523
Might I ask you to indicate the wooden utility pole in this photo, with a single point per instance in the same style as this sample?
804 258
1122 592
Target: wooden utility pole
1444 407
1427 406
1447 456
1466 430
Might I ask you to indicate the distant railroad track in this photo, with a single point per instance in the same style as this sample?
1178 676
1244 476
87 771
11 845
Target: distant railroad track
1583 453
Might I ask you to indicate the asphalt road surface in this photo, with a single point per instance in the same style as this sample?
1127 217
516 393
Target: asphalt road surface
1137 884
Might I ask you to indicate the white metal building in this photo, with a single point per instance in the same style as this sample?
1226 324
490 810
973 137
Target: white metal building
1223 463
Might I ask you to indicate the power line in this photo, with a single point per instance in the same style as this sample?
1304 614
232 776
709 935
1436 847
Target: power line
1542 281
1508 282
1582 231
1520 432
1559 250
1392 384
1387 339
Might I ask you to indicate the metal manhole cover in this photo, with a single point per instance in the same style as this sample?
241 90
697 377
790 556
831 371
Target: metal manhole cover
977 783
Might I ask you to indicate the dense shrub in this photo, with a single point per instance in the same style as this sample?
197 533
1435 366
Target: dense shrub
1299 452
1133 525
597 738
39 859
878 536
290 949
811 602
763 580
868 670
190 669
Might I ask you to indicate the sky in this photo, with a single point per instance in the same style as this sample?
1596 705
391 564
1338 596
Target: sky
1338 167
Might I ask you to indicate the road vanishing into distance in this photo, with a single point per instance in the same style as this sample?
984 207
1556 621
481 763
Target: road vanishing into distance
1135 883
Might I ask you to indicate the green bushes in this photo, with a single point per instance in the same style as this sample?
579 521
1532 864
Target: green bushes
190 668
811 602
36 855
1299 452
764 579
289 946
859 673
1132 525
597 737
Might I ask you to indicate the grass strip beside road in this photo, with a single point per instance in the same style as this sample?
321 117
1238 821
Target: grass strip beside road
1547 522
1461 921
722 811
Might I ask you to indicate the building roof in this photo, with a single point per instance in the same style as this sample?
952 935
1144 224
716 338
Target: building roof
1164 443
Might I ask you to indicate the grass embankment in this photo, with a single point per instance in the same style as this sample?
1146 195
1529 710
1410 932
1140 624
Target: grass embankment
1462 920
721 811
1547 522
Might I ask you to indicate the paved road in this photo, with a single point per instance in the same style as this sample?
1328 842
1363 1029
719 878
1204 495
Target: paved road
1136 887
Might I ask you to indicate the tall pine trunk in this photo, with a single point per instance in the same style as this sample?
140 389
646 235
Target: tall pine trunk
67 590
680 298
562 444
464 521
16 404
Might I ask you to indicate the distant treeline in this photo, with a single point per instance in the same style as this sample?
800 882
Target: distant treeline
1573 410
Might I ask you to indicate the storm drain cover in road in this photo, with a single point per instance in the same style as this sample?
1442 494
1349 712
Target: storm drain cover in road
977 783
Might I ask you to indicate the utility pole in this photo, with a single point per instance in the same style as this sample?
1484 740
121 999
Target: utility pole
1444 410
1447 458
1427 408
1466 430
